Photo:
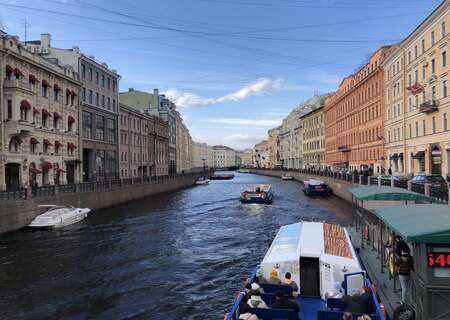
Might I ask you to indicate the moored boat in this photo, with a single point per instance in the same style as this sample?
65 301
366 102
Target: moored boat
261 193
202 181
58 216
316 188
243 171
223 176
321 260
285 176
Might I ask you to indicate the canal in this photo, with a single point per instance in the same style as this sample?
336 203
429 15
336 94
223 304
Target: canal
178 255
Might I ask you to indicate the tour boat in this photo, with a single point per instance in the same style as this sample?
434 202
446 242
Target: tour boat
202 181
244 171
261 193
59 216
285 176
223 176
324 265
316 188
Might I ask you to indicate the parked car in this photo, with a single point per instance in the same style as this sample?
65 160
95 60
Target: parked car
435 180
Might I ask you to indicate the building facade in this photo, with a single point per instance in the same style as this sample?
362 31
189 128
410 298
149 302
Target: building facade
247 159
143 144
261 155
99 106
273 142
354 118
184 155
313 141
224 157
417 108
202 155
39 136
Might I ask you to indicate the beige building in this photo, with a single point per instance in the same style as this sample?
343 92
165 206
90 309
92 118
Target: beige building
273 143
417 137
247 159
202 154
143 144
313 140
224 157
183 146
261 155
39 131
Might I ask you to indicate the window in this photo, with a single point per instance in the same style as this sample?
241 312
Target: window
44 119
424 127
110 130
97 99
424 71
433 124
410 130
444 58
23 114
423 46
103 80
87 125
109 83
410 104
90 74
44 90
109 103
91 96
114 105
443 31
433 66
445 123
103 100
432 38
114 86
433 92
10 109
84 94
97 77
55 121
409 56
417 129
416 75
100 128
409 80
415 52
83 71
56 94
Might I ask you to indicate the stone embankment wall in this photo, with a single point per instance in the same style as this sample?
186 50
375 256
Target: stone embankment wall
19 213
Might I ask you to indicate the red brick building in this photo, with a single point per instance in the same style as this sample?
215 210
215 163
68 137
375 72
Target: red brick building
354 117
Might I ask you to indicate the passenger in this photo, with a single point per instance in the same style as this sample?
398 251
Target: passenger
283 302
358 302
400 246
347 316
247 288
289 282
257 287
274 278
405 265
364 317
248 316
255 300
258 189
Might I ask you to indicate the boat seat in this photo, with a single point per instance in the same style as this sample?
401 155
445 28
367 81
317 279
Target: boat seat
337 304
275 314
337 315
272 288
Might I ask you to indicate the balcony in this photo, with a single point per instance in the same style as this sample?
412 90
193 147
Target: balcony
18 84
18 127
429 106
344 148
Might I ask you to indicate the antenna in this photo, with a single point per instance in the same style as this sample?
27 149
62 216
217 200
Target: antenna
26 25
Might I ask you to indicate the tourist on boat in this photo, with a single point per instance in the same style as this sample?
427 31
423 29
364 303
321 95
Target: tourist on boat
289 282
255 300
358 302
248 316
247 288
390 171
355 172
282 302
347 316
364 317
273 277
405 265
257 287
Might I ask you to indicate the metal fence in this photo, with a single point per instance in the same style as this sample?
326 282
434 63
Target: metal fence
419 188
439 193
13 195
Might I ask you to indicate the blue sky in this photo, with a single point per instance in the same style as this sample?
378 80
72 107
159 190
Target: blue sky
235 67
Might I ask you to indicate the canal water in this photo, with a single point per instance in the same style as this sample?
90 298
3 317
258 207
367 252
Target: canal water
179 255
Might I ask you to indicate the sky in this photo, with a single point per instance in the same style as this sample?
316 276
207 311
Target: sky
235 68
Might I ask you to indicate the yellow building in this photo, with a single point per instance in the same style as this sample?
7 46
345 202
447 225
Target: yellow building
417 105
313 128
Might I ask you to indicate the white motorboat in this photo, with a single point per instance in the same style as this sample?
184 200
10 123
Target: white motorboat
59 216
287 177
202 181
243 171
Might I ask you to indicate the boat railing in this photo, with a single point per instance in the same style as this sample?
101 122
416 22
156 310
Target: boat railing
439 193
419 188
234 312
43 191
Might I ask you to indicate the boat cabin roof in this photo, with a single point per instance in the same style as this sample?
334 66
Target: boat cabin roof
311 239
385 193
419 223
314 182
262 188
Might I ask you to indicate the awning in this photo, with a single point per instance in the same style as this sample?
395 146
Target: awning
419 155
56 115
61 170
394 157
56 87
36 111
17 72
400 156
58 144
68 92
16 139
73 93
9 69
45 112
419 223
385 193
47 142
71 119
25 105
33 140
71 146
32 79
46 165
45 83
34 170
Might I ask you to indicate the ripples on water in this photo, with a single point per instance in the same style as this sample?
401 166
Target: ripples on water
180 255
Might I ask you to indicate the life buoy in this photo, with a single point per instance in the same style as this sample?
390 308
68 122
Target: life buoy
392 265
404 312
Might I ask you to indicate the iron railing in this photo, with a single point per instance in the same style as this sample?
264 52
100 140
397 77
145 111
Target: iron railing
439 193
20 194
419 188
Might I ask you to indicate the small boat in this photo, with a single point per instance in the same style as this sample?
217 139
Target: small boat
243 171
58 216
202 181
224 176
320 259
316 188
285 176
261 193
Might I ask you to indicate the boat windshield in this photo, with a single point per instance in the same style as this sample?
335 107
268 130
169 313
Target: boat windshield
286 240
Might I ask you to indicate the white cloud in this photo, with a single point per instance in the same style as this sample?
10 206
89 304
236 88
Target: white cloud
246 122
241 141
258 87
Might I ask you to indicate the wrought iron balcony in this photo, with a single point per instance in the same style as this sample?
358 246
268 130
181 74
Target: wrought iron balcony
344 148
429 106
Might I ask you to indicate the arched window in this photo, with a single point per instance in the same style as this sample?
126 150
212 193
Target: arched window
14 144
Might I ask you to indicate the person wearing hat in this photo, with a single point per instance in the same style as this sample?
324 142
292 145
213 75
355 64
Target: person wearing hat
273 277
257 287
248 316
405 266
255 300
282 302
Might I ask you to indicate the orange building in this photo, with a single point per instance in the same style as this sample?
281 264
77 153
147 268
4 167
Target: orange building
354 117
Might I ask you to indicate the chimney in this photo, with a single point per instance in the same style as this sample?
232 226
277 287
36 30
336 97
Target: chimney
46 39
76 49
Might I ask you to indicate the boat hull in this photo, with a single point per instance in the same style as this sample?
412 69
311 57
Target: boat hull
59 222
